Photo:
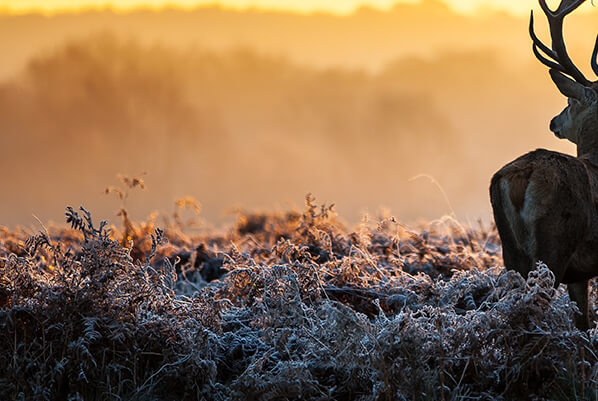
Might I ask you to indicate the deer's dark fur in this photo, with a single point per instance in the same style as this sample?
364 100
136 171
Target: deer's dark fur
546 203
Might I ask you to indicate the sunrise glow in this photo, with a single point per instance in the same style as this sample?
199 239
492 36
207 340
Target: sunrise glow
301 6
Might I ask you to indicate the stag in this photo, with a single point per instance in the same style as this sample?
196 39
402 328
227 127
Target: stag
546 203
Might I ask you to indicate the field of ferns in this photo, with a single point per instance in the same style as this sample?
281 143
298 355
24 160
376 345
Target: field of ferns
282 306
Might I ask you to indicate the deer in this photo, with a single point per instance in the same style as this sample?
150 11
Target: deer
545 203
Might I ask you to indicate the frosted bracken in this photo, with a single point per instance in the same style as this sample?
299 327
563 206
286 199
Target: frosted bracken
282 306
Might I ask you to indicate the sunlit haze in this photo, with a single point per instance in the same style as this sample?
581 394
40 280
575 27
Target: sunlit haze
410 107
335 6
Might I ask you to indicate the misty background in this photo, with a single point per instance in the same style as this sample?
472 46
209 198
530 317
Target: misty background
255 109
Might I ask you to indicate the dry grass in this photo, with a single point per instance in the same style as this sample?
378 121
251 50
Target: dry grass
282 306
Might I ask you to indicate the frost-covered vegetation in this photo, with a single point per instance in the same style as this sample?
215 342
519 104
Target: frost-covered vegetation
284 305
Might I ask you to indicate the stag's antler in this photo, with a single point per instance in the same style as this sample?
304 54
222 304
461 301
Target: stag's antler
595 57
557 56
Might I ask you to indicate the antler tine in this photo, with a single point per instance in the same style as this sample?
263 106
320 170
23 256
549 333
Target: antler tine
547 9
548 63
595 57
538 45
537 40
559 51
563 9
572 7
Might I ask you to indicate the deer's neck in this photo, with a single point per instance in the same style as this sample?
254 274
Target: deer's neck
587 146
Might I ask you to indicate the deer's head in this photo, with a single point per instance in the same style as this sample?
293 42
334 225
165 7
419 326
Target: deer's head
582 108
581 114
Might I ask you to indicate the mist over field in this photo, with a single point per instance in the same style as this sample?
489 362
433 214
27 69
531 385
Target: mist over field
256 109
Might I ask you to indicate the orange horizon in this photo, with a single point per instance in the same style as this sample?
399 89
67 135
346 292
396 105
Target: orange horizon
346 7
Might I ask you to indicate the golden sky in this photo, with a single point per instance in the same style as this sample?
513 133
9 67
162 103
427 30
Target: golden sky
336 6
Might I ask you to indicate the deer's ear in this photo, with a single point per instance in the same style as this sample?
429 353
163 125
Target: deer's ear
567 86
591 95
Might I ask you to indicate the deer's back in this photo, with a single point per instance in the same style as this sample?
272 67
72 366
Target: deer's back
549 192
